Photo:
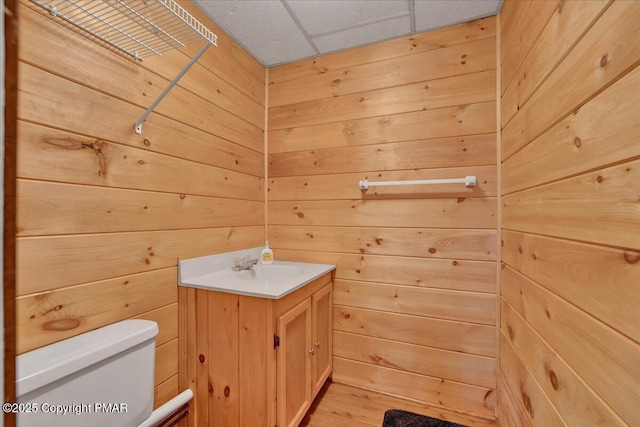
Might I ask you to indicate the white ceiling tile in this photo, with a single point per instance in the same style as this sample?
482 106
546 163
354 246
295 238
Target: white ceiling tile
358 36
263 27
268 32
432 14
323 16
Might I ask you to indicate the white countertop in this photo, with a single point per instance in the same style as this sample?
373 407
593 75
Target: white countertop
265 281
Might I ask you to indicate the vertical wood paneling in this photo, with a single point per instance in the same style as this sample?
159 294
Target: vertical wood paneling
109 212
203 390
223 396
570 351
412 258
189 369
253 340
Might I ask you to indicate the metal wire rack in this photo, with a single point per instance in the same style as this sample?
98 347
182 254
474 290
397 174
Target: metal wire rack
136 27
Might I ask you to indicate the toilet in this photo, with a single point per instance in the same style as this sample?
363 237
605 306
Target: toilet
101 378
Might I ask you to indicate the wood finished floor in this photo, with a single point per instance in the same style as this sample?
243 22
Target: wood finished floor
338 405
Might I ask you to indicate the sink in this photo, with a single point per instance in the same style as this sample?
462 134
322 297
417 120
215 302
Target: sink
259 274
268 273
266 281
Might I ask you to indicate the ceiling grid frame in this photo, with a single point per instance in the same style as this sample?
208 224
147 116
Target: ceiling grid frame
299 24
277 32
412 15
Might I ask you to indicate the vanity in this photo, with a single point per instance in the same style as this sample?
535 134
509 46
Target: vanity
258 339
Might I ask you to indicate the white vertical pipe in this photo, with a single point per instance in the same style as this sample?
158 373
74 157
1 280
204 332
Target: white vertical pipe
167 409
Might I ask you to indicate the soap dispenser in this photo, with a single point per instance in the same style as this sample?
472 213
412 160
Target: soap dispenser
266 256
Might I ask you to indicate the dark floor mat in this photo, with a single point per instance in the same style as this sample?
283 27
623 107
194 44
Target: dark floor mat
398 418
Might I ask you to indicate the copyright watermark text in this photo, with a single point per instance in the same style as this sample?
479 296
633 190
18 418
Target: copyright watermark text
64 409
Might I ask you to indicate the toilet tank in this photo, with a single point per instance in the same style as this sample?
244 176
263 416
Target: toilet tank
101 378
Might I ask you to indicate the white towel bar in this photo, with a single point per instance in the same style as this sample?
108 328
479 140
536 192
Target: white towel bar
469 181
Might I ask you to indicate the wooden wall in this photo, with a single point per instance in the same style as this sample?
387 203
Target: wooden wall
569 351
103 213
415 290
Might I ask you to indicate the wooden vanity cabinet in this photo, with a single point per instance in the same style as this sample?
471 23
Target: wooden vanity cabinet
322 337
294 364
255 361
304 355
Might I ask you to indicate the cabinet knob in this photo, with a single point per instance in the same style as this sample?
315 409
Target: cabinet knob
312 351
318 344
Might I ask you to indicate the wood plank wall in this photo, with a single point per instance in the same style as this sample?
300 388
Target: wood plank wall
103 213
415 290
570 337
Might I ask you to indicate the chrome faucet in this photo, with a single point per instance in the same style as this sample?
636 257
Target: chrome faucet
245 263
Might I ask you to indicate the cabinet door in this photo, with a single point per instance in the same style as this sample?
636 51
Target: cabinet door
294 365
322 333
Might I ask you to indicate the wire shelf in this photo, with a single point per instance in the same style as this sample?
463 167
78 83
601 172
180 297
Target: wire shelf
138 28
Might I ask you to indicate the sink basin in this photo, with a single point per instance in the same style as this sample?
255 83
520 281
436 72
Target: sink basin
266 273
259 275
267 281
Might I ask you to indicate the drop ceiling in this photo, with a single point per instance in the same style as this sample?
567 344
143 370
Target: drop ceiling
280 31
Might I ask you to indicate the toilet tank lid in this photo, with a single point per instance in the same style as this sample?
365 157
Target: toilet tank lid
48 364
